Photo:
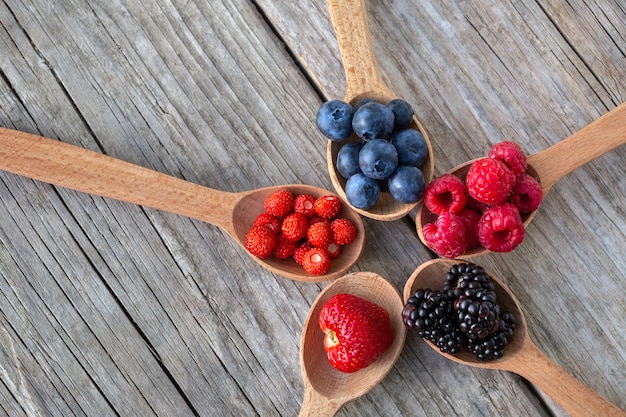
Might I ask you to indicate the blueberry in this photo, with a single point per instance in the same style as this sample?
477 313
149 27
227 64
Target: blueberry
406 185
373 121
362 191
348 159
334 120
411 146
378 159
403 113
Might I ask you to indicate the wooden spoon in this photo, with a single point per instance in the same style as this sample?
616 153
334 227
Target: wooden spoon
326 389
550 165
363 81
521 355
72 167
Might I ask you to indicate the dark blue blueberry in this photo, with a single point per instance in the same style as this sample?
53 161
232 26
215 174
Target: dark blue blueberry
378 159
406 185
362 191
411 146
348 159
334 120
403 113
373 121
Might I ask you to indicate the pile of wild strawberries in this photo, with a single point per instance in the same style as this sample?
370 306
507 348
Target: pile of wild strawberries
485 209
303 227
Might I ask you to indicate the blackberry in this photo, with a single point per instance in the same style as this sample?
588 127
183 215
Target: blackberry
449 340
492 347
427 310
466 279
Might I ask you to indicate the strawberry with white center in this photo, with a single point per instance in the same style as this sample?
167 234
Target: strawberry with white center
357 332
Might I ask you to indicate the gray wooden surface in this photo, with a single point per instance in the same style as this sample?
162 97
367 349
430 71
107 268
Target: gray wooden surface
113 309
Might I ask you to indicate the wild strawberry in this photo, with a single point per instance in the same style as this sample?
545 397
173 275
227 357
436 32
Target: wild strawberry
447 236
500 228
333 250
294 226
357 332
319 235
299 254
328 206
511 154
318 219
316 261
446 193
261 241
527 194
285 248
305 204
344 231
271 222
489 181
279 203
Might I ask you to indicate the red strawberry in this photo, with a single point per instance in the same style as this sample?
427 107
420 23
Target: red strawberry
294 226
316 261
344 231
299 254
261 241
279 204
305 204
328 206
269 221
319 235
357 332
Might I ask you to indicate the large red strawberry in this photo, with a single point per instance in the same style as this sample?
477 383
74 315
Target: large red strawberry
357 332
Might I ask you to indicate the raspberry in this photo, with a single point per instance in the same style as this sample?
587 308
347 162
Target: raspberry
489 181
447 236
500 228
511 154
271 222
527 194
446 193
298 255
261 242
285 248
319 235
470 218
294 226
328 206
316 261
343 231
305 204
279 203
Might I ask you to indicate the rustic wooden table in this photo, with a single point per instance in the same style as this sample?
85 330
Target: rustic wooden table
113 309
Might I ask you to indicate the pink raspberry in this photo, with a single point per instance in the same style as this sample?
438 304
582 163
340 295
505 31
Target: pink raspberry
447 236
470 218
511 154
500 228
489 181
527 194
446 193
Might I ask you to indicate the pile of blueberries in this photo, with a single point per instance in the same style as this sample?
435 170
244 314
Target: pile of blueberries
387 156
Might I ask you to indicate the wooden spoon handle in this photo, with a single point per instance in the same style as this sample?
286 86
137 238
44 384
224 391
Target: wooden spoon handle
83 170
349 18
572 395
599 137
315 404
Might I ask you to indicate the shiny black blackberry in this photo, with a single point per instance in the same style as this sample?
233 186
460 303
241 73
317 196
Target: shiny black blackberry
492 346
427 310
449 340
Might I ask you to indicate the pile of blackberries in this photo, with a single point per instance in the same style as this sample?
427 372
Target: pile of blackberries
465 314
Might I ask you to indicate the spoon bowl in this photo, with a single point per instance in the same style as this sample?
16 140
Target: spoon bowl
363 81
521 355
83 170
550 165
326 388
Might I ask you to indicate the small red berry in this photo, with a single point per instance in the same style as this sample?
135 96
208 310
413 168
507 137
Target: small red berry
318 219
295 226
316 261
305 204
527 194
447 236
271 222
500 228
328 206
261 242
279 203
446 193
298 255
511 154
344 231
285 248
470 218
333 250
319 235
489 181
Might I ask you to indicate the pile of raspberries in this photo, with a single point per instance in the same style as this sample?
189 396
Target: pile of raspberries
485 209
